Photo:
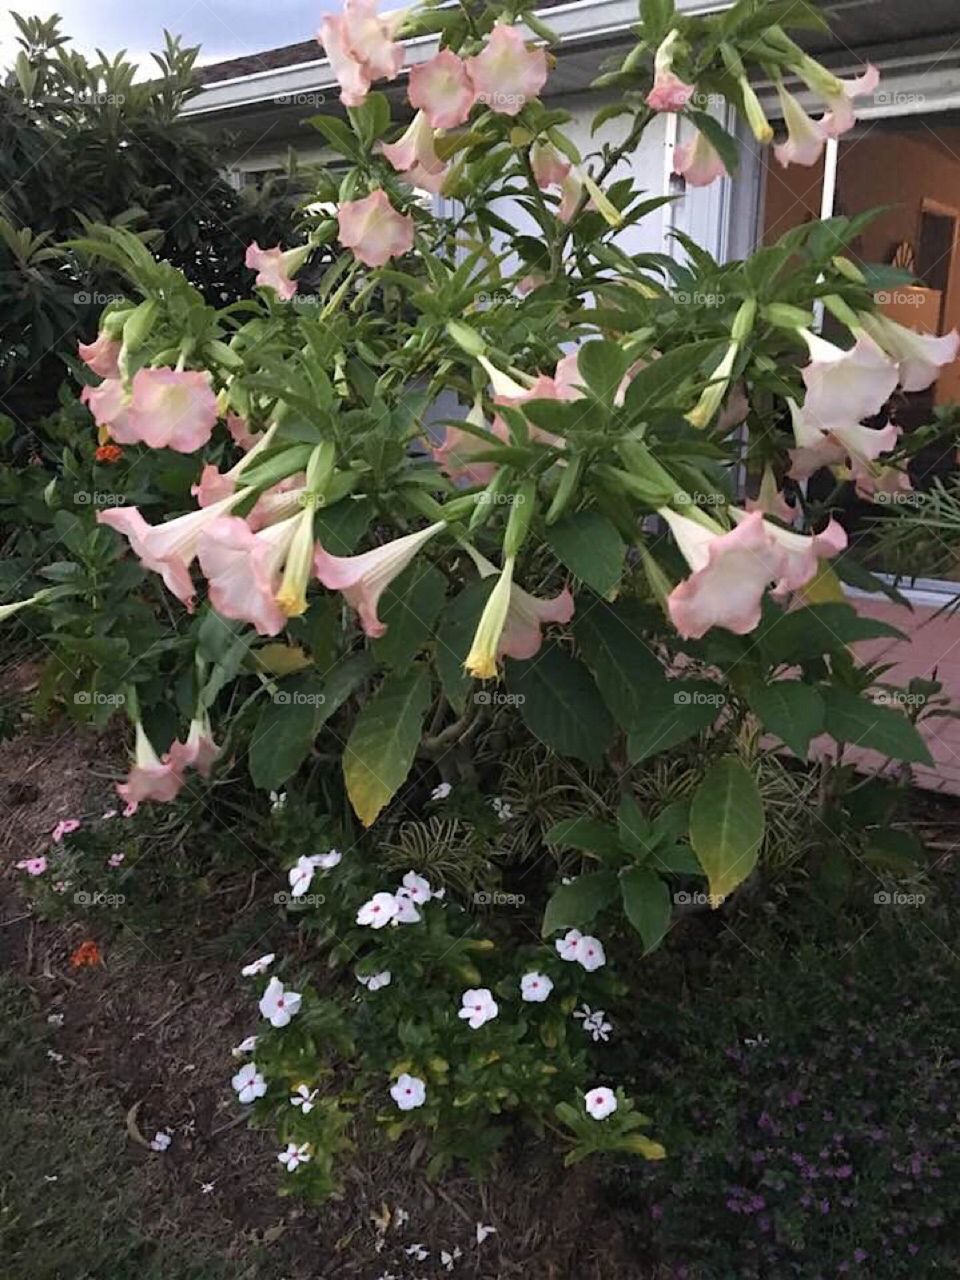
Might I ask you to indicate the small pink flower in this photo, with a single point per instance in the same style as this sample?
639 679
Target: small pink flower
101 356
65 827
33 866
414 156
441 87
698 162
600 1102
841 116
199 752
243 437
150 778
365 577
115 860
168 408
506 73
550 168
275 267
669 92
374 230
805 137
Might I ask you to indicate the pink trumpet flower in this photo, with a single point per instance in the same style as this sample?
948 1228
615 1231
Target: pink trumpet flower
669 92
507 73
442 89
698 162
101 356
845 386
275 267
770 500
919 356
550 168
454 456
150 778
244 570
819 447
364 578
109 406
168 549
414 156
361 47
168 408
526 615
215 485
841 116
374 230
199 752
805 137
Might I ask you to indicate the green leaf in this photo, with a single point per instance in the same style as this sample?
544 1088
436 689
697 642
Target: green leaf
409 608
590 835
894 850
579 901
454 635
794 711
561 705
633 828
672 714
340 527
284 732
383 742
589 545
646 901
675 859
340 682
823 628
726 825
863 723
602 365
626 669
721 141
666 375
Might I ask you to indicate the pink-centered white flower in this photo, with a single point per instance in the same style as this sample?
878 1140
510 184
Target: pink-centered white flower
303 1098
479 1007
276 267
442 89
150 778
507 73
698 161
805 136
101 356
375 981
406 912
919 356
416 888
301 876
373 230
65 827
415 156
293 1156
169 549
378 910
841 115
361 46
535 987
600 1102
278 1004
408 1092
669 92
363 578
249 1083
844 387
246 1045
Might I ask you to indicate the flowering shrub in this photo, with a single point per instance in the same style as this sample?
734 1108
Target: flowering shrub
340 576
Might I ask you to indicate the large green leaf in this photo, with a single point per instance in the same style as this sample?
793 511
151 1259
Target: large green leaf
672 714
383 742
285 731
561 705
454 635
340 527
589 545
409 608
590 835
863 723
726 825
646 901
823 628
579 901
624 666
794 711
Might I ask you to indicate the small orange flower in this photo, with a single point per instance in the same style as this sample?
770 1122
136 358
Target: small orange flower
86 955
108 453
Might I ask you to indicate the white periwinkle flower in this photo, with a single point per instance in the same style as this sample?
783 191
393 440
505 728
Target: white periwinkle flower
483 1232
257 967
379 911
502 809
160 1141
303 1097
245 1046
406 912
278 1005
293 1156
416 888
594 1022
479 1007
600 1102
249 1083
409 1092
584 949
376 980
535 987
441 792
567 945
301 876
327 861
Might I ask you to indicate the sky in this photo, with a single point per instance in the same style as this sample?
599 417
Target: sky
224 28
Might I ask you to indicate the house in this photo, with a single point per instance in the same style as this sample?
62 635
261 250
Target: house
904 154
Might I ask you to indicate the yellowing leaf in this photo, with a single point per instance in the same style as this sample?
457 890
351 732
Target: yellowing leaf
281 659
645 1147
825 588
